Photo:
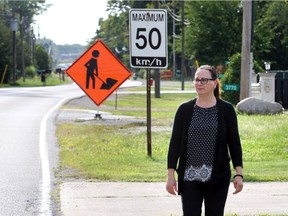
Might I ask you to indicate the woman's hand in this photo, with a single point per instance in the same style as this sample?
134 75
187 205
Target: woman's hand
171 184
238 184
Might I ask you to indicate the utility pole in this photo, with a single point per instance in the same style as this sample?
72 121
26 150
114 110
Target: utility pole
14 29
157 71
174 44
22 31
251 48
182 53
245 53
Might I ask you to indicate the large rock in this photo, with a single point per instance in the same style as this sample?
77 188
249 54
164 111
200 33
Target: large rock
258 106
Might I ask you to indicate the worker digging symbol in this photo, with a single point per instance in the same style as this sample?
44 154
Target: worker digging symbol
92 66
98 72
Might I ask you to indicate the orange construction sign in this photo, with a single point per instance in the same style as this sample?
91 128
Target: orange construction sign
98 72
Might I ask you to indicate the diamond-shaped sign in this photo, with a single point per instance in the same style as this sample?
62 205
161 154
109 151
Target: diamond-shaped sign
98 72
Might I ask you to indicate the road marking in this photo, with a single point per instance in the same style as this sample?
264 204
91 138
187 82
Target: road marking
45 167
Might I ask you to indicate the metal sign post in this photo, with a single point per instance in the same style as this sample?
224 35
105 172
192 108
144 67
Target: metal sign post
148 96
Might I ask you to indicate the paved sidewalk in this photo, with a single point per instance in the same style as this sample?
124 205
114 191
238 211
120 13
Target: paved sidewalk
151 199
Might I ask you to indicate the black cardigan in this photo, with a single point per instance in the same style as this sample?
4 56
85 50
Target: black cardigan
227 145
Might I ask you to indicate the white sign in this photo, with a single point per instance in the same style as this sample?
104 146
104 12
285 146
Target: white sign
148 38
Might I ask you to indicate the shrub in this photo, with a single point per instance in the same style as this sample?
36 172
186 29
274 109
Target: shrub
232 76
30 71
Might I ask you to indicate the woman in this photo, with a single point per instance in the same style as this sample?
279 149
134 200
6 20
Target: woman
204 138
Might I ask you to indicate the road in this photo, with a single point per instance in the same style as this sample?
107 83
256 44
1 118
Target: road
28 152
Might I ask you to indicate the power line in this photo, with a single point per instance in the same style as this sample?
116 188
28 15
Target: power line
172 14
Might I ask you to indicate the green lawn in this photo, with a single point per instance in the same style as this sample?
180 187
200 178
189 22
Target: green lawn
119 152
51 80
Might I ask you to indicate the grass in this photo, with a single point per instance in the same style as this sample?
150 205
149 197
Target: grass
111 153
119 152
51 80
265 146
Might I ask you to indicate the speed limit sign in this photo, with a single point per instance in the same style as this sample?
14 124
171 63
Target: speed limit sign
148 38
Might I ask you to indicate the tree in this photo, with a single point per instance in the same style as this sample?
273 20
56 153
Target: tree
5 51
215 30
114 31
23 12
232 76
42 58
271 33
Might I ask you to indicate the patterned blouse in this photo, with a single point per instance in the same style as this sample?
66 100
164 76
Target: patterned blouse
202 135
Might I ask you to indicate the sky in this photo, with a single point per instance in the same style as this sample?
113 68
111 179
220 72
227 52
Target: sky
70 21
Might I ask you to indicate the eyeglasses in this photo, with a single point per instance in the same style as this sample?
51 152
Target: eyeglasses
202 80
